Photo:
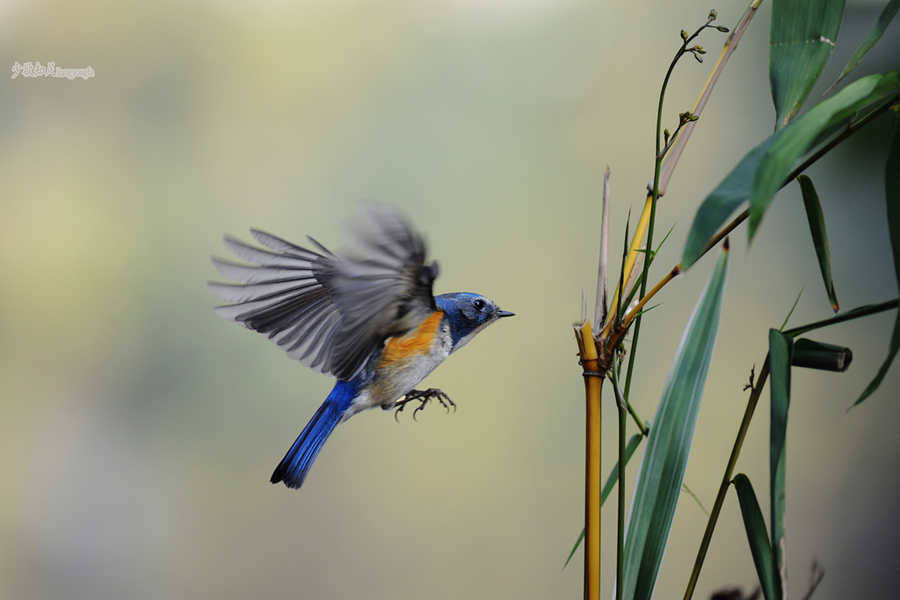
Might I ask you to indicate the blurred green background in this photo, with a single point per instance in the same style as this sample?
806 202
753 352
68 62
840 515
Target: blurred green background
138 430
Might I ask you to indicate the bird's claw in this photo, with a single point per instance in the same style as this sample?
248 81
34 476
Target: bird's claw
423 396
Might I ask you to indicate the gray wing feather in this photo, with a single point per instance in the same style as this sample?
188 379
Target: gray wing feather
331 312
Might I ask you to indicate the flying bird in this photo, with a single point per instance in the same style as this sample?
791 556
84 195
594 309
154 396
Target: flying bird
365 315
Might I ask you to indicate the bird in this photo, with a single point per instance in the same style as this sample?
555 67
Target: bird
365 315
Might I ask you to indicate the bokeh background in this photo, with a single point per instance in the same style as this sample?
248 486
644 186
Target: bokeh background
138 430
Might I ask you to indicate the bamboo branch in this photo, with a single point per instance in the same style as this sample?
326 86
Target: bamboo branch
682 137
726 479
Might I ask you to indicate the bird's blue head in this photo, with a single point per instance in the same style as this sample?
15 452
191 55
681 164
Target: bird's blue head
468 314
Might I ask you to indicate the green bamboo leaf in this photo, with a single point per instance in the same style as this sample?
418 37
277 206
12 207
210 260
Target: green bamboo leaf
722 203
763 171
661 473
781 349
850 315
806 131
892 194
819 235
887 15
801 40
610 483
824 357
757 536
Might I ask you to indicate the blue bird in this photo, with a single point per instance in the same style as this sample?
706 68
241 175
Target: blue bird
365 315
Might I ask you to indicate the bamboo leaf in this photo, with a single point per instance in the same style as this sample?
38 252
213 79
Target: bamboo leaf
661 473
610 484
819 235
757 536
781 349
793 308
892 194
801 40
850 315
887 15
694 496
764 170
806 131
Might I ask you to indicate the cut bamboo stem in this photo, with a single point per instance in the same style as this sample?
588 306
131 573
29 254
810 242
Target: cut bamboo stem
593 383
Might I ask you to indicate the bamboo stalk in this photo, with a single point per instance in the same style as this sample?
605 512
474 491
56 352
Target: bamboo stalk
593 383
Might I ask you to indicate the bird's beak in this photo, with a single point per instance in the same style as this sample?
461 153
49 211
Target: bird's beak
505 313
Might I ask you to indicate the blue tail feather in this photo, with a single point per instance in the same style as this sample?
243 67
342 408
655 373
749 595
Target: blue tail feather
296 463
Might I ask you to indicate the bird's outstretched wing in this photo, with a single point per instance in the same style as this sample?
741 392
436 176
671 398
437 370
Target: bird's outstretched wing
332 311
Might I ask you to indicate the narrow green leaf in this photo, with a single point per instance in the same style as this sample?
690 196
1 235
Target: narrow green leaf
764 170
793 307
850 315
614 474
694 496
610 484
801 40
722 203
820 237
781 349
661 474
824 357
757 536
887 15
892 194
574 548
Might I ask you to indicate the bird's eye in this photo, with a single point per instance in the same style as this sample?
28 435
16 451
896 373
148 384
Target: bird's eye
478 303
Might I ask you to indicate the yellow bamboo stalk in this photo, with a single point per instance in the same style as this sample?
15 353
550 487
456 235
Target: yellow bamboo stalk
593 381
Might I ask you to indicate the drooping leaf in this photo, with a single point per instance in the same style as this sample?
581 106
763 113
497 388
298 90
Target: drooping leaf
887 15
764 170
892 194
819 235
610 483
824 357
757 536
781 348
663 464
801 40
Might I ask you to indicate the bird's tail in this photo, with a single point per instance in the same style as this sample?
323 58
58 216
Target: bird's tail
296 463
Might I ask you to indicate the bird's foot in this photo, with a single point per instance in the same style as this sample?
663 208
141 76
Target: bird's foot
423 397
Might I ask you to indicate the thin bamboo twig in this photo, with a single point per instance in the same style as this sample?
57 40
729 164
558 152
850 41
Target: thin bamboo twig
620 515
726 479
682 137
675 272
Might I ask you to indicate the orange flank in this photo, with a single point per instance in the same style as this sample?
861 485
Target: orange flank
404 347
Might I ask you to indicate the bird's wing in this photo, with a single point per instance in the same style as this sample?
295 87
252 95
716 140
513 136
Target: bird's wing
332 312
